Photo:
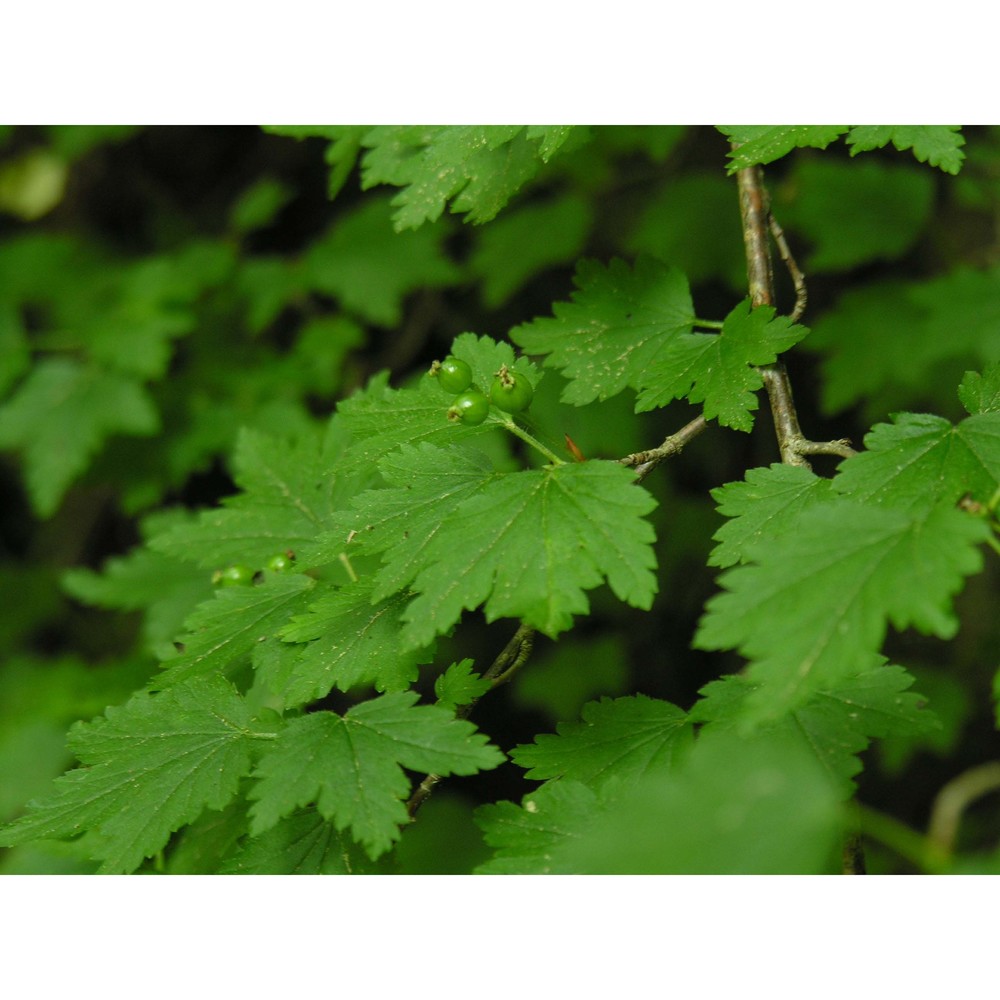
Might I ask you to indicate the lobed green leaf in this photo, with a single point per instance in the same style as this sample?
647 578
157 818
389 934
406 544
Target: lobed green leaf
61 414
616 324
717 369
938 145
351 765
741 806
301 844
921 460
460 685
288 492
814 605
763 507
149 767
347 640
477 168
528 839
527 546
370 269
766 143
836 724
980 393
223 632
620 739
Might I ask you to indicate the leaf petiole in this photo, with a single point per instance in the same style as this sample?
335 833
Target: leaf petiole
518 431
709 324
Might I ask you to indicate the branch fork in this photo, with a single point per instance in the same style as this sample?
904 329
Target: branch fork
758 224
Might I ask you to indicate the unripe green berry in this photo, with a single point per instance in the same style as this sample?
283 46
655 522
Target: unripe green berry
470 407
453 374
511 391
233 576
279 563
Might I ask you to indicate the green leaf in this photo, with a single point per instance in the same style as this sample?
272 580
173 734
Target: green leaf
351 765
525 241
529 838
301 844
75 141
716 369
556 684
381 419
150 767
836 724
222 632
166 589
258 205
478 168
897 337
129 319
762 508
981 393
759 806
552 137
370 269
813 607
529 544
425 486
351 641
200 847
693 222
615 326
289 489
15 356
620 739
939 145
855 213
766 143
460 685
920 460
61 414
341 151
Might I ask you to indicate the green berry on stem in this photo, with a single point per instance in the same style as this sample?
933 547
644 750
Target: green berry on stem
279 563
453 374
511 391
233 576
470 407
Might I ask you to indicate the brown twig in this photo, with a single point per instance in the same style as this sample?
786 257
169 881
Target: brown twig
853 857
756 215
798 279
510 659
645 461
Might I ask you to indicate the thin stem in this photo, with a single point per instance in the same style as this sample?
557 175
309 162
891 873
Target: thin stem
798 280
709 324
520 432
645 461
901 839
952 801
521 646
756 215
509 660
853 856
345 559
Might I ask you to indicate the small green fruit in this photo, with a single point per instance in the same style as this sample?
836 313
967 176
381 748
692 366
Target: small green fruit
233 576
453 374
280 562
511 391
470 407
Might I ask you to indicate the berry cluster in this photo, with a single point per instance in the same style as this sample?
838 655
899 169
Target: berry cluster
510 391
240 575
